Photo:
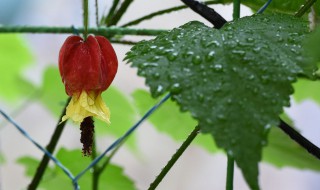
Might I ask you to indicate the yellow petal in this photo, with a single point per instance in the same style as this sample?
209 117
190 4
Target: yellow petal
86 105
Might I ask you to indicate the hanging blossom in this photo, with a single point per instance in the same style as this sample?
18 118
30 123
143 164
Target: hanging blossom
87 69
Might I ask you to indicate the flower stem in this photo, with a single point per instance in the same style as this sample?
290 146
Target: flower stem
85 18
304 8
174 158
95 173
236 9
230 169
97 13
50 148
106 20
206 12
117 16
69 30
164 11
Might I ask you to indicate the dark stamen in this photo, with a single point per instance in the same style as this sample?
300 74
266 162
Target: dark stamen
87 130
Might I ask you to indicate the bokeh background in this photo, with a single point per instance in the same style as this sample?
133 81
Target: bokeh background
197 168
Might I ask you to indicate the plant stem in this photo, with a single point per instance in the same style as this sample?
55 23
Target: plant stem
174 158
164 11
123 8
97 12
206 12
50 148
70 30
296 136
230 170
95 173
85 18
304 8
236 9
106 20
107 161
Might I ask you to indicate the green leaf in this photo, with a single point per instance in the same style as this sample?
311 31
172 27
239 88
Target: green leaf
112 178
168 119
2 159
306 89
15 56
123 115
53 95
312 45
234 81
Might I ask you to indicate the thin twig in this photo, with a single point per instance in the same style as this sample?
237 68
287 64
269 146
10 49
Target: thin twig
50 148
97 13
296 136
304 8
230 171
206 12
117 16
107 19
164 11
236 9
174 158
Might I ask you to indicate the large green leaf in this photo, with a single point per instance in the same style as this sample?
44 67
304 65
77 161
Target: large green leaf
168 119
15 56
112 177
234 81
306 89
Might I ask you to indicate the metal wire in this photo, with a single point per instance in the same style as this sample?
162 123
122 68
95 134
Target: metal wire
264 7
95 161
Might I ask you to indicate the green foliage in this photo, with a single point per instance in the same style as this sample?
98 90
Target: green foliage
306 89
14 57
168 119
2 158
234 81
112 178
53 95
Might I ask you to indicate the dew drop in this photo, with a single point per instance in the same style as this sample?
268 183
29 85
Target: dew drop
218 68
196 60
239 52
250 39
175 88
172 56
210 56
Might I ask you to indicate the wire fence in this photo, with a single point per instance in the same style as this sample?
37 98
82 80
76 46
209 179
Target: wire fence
75 178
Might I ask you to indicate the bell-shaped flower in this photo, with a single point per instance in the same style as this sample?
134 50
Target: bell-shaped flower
87 69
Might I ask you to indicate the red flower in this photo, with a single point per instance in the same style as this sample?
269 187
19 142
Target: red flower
87 68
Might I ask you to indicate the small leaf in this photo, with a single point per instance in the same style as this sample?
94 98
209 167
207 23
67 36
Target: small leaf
15 56
53 95
2 158
306 89
168 119
123 115
234 81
